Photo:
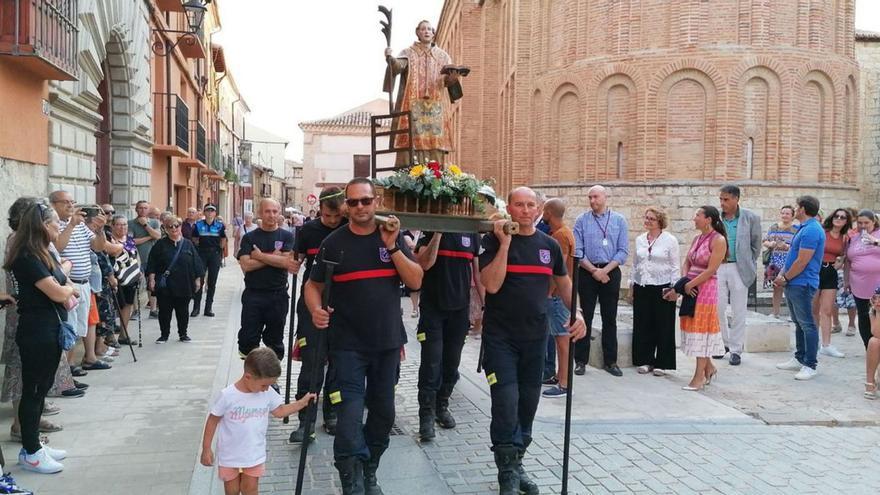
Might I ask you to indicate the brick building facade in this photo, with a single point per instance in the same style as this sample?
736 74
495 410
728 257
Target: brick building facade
661 100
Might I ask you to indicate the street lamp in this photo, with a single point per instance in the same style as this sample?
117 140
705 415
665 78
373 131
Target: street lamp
195 14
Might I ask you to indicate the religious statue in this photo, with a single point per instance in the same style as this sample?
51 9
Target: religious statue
425 71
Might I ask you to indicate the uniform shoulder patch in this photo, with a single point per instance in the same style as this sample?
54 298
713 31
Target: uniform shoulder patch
544 255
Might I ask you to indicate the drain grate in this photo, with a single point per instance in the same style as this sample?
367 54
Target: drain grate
396 430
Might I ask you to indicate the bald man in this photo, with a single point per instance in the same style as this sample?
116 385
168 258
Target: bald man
601 243
518 272
266 257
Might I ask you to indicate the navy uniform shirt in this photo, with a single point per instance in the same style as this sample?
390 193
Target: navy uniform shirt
268 277
309 239
365 295
446 285
518 311
209 235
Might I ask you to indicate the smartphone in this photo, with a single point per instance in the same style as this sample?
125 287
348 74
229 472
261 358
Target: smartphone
91 211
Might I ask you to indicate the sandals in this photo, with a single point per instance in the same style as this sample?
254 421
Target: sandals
97 365
870 391
46 426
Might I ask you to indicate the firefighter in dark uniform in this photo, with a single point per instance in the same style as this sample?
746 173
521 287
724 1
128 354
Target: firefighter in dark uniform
209 236
448 261
266 257
308 240
516 271
365 333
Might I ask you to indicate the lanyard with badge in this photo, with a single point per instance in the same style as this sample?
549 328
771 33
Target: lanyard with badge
603 229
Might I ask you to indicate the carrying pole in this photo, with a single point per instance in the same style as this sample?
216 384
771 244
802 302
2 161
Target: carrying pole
568 398
290 343
320 339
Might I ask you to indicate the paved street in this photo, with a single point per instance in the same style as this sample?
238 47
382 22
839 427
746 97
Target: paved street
755 430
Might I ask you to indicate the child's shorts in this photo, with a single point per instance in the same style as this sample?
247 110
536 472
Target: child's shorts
229 473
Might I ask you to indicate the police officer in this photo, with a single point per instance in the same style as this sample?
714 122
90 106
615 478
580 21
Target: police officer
366 332
516 271
448 261
266 257
308 240
209 236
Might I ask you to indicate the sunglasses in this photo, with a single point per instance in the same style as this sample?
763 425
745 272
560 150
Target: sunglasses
353 202
841 217
174 226
650 219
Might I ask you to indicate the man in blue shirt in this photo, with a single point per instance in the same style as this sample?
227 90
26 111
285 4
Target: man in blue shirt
800 277
601 244
209 236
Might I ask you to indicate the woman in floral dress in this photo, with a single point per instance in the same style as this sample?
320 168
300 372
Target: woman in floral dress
777 242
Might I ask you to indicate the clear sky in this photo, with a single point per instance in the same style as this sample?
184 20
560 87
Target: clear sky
297 60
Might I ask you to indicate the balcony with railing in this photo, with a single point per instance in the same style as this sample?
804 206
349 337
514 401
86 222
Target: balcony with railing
40 36
198 147
215 160
173 139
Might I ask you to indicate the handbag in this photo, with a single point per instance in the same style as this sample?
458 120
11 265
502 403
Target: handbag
66 333
126 269
163 279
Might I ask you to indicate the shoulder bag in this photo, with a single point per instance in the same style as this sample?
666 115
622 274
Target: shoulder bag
163 279
126 268
66 332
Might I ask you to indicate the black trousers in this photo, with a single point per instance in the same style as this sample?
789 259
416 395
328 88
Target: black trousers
212 260
513 369
179 306
312 359
363 379
40 353
590 291
441 334
263 314
863 307
653 328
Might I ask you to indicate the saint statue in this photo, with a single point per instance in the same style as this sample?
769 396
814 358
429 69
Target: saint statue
425 71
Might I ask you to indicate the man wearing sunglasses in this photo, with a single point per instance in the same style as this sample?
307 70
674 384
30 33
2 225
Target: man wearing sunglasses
366 331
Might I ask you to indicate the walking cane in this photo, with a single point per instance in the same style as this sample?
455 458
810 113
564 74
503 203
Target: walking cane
124 325
312 412
290 332
571 319
140 317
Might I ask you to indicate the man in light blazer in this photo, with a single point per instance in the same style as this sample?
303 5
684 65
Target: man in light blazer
739 270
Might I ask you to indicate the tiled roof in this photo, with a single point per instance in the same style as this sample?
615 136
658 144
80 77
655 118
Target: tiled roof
863 35
353 119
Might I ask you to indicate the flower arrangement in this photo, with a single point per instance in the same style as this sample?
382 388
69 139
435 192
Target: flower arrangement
433 188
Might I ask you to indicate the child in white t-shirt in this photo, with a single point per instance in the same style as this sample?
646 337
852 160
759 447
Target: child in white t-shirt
242 414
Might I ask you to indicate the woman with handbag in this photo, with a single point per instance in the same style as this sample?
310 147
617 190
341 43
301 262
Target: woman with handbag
173 274
126 272
43 300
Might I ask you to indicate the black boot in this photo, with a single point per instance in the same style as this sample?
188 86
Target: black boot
526 485
426 415
299 434
351 475
371 484
209 308
330 424
195 311
444 417
506 459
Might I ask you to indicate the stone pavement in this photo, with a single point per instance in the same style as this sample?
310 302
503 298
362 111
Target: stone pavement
754 431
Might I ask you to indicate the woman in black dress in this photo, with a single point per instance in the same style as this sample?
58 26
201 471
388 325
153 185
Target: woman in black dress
173 275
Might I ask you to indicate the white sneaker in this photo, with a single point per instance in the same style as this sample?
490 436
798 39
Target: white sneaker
790 365
830 350
850 331
39 462
57 454
806 373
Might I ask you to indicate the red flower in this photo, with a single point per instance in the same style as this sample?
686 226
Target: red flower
434 165
437 174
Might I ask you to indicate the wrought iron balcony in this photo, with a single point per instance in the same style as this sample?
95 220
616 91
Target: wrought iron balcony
170 139
40 36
